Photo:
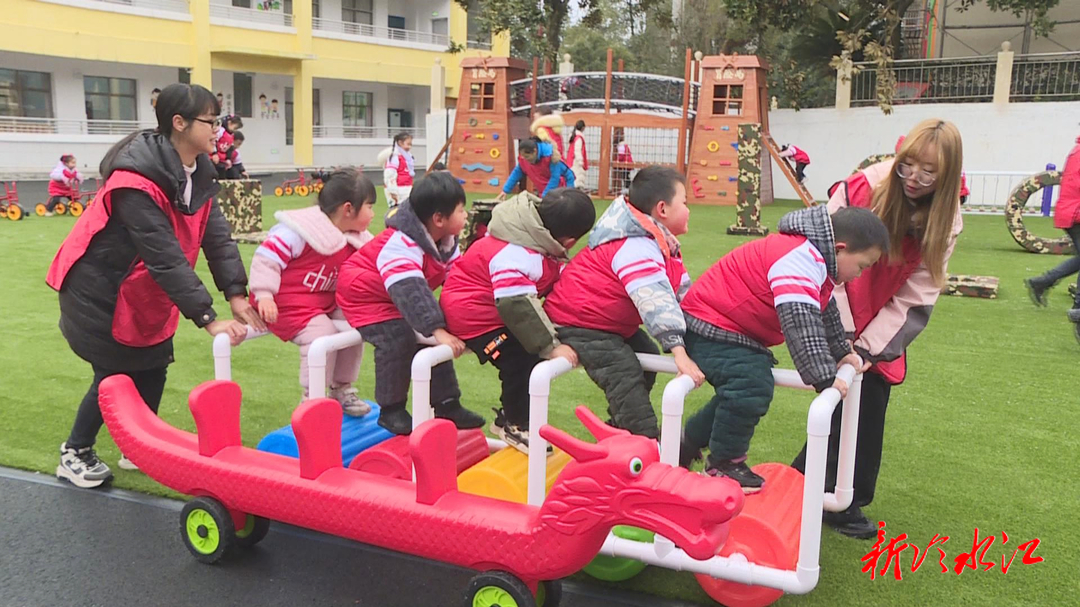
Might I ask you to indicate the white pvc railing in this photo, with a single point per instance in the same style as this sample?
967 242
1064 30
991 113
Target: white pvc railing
223 9
363 30
317 380
66 126
990 191
662 551
365 132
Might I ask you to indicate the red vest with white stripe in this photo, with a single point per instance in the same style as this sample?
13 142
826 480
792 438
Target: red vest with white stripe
800 155
365 277
871 291
591 294
740 292
492 269
307 286
399 164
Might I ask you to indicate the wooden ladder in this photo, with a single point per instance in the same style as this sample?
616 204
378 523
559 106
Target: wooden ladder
788 171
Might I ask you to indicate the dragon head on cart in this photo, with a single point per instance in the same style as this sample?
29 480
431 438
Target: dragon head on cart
619 480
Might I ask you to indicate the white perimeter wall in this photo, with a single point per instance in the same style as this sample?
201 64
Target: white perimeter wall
1018 137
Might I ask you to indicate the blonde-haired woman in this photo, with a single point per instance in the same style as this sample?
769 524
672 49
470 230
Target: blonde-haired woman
917 195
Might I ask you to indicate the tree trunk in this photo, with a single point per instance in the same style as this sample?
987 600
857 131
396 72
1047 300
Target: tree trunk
556 16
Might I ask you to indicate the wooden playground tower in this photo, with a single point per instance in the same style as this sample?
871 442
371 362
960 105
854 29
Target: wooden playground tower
695 124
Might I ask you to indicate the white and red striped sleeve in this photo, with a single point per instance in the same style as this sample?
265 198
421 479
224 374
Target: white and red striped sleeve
400 258
281 246
638 262
515 271
798 275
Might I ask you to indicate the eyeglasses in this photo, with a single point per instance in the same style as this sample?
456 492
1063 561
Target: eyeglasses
214 123
905 171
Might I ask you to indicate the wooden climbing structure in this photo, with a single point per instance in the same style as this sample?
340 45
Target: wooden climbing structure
692 124
481 151
732 93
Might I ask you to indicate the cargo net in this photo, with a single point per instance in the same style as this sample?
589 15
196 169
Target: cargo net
586 90
634 148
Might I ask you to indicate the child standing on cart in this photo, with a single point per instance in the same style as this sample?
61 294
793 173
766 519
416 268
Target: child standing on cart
770 291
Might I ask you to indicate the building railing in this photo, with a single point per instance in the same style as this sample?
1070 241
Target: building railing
250 15
483 45
364 30
57 126
364 132
1001 79
178 6
1046 77
962 80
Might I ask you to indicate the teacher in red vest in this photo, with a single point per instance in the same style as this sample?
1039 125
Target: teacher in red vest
917 196
126 272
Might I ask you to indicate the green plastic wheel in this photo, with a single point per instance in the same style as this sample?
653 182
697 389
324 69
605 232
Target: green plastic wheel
615 568
498 589
254 530
207 529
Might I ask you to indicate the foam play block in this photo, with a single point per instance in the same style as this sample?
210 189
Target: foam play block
963 285
392 458
357 434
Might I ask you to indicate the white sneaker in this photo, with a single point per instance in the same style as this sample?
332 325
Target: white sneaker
48 214
351 404
126 464
82 467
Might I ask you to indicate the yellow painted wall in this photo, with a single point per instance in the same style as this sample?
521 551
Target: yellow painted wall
41 28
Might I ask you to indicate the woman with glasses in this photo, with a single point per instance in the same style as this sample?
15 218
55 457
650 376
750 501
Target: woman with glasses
126 271
917 195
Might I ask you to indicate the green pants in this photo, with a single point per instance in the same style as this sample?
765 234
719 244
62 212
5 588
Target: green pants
743 382
611 361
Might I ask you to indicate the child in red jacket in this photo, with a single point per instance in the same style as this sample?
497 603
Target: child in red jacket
1066 217
386 291
62 182
630 273
801 158
770 291
294 275
491 298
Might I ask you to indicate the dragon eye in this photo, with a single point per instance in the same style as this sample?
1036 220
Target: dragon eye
636 466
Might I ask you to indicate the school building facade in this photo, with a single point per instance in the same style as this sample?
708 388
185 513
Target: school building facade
317 82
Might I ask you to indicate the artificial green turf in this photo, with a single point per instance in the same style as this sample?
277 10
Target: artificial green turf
983 434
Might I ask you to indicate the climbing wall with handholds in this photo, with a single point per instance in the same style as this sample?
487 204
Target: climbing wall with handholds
732 93
481 150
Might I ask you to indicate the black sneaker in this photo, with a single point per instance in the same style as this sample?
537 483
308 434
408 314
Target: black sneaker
1074 317
1036 291
462 417
82 468
851 522
739 472
396 419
